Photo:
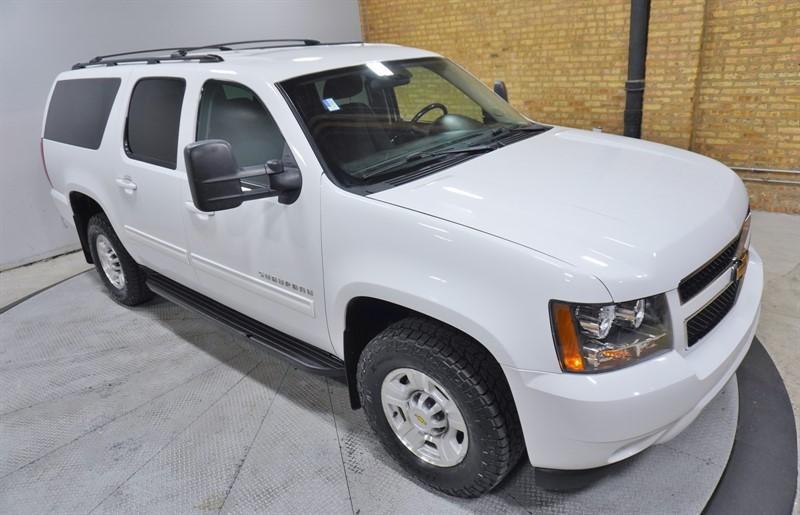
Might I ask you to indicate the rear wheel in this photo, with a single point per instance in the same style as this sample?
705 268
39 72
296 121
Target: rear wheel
117 269
440 405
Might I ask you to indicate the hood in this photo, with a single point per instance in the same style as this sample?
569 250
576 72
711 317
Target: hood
639 216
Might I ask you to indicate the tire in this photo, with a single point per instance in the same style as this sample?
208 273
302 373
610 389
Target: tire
132 290
470 377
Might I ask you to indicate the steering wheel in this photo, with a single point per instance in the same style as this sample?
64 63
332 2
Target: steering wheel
428 108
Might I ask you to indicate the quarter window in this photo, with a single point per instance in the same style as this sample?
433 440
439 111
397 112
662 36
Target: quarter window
154 114
79 110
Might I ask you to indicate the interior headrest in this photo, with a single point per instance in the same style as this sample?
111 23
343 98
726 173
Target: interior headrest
343 87
244 108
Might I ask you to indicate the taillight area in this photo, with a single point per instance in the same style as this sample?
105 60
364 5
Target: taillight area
44 163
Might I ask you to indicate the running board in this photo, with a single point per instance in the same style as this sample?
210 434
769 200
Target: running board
299 352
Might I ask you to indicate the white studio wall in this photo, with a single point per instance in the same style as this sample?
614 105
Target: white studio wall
41 38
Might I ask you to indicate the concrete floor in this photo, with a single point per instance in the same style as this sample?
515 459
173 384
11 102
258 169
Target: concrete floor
776 236
18 283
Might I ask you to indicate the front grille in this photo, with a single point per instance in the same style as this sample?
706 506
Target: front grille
707 318
707 273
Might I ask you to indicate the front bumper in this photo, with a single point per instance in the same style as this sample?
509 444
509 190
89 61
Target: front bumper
574 421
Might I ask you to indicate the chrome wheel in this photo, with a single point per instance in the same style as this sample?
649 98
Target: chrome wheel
424 417
109 262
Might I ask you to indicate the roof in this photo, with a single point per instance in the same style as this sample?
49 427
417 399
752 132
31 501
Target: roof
277 63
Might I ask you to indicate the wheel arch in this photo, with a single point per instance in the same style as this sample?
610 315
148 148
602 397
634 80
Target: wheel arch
83 206
366 316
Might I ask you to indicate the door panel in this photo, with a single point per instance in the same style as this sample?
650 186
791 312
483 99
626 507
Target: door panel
149 187
262 258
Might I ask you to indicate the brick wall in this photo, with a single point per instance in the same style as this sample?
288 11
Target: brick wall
748 97
723 76
561 65
674 44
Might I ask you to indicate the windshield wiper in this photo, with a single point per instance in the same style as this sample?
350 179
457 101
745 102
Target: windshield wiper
433 154
476 149
519 128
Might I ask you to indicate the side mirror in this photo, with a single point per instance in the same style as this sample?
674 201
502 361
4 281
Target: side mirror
285 178
215 178
500 89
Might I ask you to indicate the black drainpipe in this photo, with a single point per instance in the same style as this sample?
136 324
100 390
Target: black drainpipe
637 54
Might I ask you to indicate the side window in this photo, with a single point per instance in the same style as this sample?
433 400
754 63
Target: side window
79 110
428 84
233 113
151 134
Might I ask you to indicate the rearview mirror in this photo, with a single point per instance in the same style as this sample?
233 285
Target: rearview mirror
215 178
500 89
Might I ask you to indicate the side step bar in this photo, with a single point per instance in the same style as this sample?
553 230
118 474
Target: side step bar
299 352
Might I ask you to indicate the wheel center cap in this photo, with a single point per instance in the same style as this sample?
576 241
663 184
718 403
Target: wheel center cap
422 409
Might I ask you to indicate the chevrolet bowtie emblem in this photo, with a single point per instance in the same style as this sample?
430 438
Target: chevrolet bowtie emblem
421 420
740 266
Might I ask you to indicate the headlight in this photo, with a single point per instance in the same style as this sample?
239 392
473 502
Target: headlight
601 337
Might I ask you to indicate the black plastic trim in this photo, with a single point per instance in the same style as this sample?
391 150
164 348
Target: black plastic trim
205 58
299 352
710 315
708 272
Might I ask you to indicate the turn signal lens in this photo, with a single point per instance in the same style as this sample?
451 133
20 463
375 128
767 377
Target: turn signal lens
567 338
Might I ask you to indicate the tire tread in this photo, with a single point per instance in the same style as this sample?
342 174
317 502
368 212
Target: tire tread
465 359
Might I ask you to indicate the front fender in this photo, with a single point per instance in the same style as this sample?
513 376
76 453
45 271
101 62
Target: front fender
494 290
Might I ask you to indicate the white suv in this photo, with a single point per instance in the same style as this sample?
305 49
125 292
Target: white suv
486 284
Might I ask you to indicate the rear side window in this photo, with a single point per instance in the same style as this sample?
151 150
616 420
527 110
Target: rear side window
151 134
79 110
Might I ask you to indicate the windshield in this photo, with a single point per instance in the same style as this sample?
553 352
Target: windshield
381 120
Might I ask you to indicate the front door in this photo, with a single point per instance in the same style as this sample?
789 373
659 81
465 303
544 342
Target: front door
262 258
149 186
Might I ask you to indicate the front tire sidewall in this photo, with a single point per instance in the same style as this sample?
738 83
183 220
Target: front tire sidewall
447 478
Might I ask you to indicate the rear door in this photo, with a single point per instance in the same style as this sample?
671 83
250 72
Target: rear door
149 184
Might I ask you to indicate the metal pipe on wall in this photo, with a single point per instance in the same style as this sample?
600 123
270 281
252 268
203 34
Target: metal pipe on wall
637 55
768 180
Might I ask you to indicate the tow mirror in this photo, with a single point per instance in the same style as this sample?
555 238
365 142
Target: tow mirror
500 89
216 181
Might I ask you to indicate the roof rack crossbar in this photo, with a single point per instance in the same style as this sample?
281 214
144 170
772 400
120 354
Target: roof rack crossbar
205 58
226 46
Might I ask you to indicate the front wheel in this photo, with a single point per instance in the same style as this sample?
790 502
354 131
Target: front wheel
440 405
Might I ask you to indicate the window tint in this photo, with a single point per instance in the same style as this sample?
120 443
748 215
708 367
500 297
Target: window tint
153 120
234 113
79 110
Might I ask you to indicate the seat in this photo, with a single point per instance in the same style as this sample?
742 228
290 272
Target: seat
353 130
247 126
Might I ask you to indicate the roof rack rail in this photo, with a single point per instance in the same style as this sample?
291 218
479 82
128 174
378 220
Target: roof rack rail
152 59
182 53
228 45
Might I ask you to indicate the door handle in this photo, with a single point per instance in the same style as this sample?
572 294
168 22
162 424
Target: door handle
126 183
190 207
